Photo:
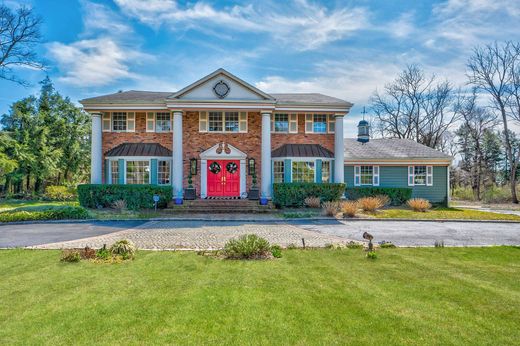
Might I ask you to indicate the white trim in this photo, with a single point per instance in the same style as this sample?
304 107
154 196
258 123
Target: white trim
395 163
319 109
376 180
137 158
124 107
150 121
216 106
448 197
149 167
357 175
429 176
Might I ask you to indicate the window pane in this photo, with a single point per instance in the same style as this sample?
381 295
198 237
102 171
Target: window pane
278 168
325 172
231 121
320 123
303 171
137 172
163 172
162 122
367 174
114 171
119 121
215 121
420 175
281 123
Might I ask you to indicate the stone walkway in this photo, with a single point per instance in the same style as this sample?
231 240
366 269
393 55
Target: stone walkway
198 235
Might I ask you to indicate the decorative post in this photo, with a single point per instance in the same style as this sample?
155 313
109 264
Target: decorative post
265 184
177 157
339 150
96 154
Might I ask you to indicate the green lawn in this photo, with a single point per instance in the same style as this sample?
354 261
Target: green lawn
444 213
28 205
407 296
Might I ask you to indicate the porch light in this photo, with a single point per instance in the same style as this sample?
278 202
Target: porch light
193 166
251 166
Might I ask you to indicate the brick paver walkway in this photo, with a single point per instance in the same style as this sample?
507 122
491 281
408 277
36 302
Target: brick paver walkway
163 235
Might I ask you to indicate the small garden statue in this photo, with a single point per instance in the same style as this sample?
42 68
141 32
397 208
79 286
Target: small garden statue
369 237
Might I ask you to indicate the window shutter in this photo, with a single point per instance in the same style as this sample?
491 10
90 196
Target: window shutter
429 175
410 176
332 123
203 122
375 175
272 122
171 121
150 122
309 123
293 123
130 122
106 122
242 122
357 175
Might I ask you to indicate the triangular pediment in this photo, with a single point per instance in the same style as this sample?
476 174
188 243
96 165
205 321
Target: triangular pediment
221 86
223 151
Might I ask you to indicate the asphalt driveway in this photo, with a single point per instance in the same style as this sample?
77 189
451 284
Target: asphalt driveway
200 234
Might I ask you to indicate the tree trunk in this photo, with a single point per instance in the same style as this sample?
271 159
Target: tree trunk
509 153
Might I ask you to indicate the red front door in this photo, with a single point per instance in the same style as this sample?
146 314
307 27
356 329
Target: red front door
223 178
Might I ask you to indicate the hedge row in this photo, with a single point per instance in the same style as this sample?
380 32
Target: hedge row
55 213
135 196
397 195
294 194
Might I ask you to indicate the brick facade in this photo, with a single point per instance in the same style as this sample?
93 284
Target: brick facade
195 142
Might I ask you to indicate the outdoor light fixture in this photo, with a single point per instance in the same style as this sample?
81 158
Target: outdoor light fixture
193 166
251 166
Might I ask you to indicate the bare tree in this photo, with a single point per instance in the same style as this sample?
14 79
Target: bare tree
19 34
494 69
416 107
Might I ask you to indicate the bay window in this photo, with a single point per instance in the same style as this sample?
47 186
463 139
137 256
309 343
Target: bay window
114 171
303 171
137 172
163 172
325 172
278 172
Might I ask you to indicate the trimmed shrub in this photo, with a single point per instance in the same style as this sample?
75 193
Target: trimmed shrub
247 246
60 193
55 213
294 194
313 202
387 245
370 204
124 248
349 208
276 251
397 195
135 196
331 208
71 256
371 255
419 204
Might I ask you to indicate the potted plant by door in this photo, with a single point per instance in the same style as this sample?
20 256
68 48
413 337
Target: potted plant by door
254 194
190 193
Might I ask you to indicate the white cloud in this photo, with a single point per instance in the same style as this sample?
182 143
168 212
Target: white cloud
99 18
303 25
93 62
402 27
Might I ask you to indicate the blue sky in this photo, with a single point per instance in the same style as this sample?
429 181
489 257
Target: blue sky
345 49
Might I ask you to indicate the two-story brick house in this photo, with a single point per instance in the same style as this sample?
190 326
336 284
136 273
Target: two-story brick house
222 132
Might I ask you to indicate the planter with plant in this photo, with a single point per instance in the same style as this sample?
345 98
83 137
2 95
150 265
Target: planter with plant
254 193
190 193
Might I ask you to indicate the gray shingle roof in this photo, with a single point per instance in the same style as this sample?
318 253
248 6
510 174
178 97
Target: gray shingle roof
131 96
302 150
139 149
312 98
390 149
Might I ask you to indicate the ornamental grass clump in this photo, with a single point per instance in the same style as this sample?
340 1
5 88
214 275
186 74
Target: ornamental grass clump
247 246
370 204
124 248
331 208
349 208
312 202
419 204
384 199
71 256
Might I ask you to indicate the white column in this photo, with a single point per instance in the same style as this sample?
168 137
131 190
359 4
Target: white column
177 165
96 154
203 178
265 186
339 150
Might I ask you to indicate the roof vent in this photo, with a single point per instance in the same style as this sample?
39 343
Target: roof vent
363 131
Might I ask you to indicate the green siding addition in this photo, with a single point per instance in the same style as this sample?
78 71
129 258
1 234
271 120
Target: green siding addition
397 176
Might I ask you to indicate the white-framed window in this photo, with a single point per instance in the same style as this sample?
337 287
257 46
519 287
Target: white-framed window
138 172
163 172
420 175
163 122
319 123
281 122
114 172
119 121
366 175
325 172
223 122
303 171
278 172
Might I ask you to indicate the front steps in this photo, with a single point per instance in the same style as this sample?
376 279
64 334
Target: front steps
212 206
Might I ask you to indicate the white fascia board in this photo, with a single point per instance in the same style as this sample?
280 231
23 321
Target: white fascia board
399 162
125 107
217 106
312 109
137 158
